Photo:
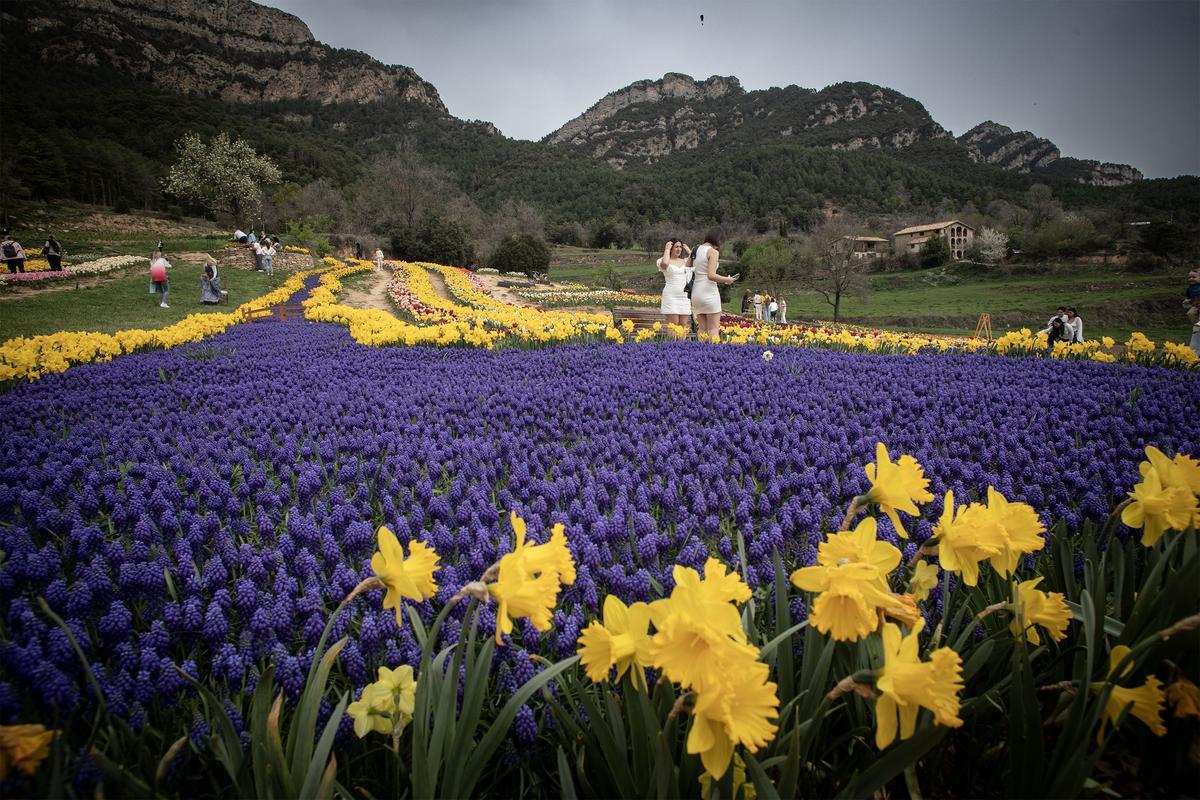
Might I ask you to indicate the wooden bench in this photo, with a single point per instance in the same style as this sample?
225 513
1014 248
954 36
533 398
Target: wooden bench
280 312
643 318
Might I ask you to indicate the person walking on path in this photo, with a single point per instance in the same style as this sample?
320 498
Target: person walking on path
53 251
782 311
158 274
706 297
773 310
758 301
14 254
675 305
378 259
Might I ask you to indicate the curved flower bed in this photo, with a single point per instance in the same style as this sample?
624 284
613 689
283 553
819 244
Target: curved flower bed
36 271
579 295
29 358
201 512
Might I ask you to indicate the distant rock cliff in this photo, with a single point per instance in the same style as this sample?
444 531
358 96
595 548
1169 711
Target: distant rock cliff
237 50
992 143
651 119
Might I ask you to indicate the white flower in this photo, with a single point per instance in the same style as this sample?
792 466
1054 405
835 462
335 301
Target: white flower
768 355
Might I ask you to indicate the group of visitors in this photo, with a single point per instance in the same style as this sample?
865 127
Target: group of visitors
211 292
264 249
691 283
14 254
1065 326
766 307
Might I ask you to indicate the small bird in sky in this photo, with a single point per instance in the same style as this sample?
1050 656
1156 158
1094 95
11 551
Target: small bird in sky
702 20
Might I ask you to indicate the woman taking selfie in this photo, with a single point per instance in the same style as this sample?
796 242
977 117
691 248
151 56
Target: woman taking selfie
706 297
674 268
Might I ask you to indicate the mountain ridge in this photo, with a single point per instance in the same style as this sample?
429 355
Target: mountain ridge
623 128
237 50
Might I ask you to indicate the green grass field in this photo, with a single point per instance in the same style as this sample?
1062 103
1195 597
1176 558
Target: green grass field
1111 300
124 302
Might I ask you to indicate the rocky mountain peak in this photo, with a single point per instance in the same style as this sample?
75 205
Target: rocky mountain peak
238 50
992 143
671 86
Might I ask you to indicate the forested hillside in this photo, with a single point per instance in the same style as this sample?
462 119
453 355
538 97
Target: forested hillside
99 134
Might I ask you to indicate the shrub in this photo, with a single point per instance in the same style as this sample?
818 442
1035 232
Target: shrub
522 253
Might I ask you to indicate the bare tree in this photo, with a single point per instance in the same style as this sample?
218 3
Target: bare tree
397 191
829 267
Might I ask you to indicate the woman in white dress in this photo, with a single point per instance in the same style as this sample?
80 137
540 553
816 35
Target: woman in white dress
706 297
675 271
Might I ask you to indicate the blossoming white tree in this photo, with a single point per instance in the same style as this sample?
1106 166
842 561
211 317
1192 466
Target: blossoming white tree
224 175
992 245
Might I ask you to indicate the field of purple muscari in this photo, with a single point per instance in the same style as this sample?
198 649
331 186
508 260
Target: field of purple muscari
207 506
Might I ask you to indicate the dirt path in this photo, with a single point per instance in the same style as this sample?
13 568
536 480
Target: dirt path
370 292
439 286
491 283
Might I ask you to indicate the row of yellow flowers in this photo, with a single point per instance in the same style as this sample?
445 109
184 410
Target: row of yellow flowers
30 357
1138 349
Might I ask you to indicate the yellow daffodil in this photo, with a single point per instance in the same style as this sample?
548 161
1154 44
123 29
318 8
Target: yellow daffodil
737 711
372 712
897 486
924 580
553 556
1188 470
966 537
1148 700
907 684
622 642
698 628
1156 508
23 748
405 578
1033 607
859 547
849 599
1021 531
1184 697
386 705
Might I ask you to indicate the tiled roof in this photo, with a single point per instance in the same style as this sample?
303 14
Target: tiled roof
865 238
936 226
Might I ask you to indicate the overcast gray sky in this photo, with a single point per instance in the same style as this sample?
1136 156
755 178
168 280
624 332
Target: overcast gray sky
1114 81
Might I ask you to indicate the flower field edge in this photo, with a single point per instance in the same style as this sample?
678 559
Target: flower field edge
29 358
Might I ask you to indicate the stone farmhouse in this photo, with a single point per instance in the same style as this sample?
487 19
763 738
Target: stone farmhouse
958 235
865 246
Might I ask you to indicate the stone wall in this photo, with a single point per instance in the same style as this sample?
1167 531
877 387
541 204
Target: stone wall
243 258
